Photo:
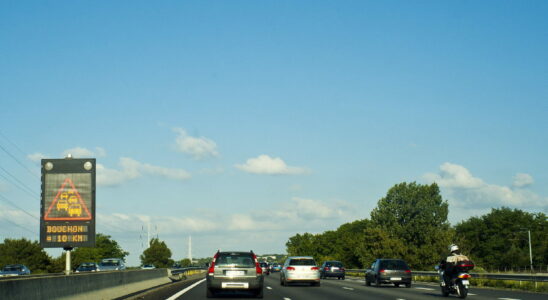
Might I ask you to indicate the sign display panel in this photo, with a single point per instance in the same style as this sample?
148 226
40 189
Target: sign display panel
68 203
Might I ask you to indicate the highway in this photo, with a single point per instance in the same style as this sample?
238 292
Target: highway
350 289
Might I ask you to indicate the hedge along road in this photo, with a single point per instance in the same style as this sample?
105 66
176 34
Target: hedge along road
352 288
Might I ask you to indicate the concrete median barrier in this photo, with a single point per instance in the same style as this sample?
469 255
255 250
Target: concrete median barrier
100 285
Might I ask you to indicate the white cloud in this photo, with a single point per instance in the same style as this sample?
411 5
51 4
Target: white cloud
197 147
471 195
36 157
80 152
132 169
264 164
523 180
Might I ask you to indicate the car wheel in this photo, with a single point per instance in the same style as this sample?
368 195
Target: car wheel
342 278
367 282
210 293
315 283
444 292
259 293
396 284
408 285
377 282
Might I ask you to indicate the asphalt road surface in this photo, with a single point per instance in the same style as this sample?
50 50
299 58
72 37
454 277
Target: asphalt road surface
349 289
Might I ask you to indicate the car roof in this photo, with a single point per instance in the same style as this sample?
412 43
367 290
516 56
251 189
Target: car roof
300 257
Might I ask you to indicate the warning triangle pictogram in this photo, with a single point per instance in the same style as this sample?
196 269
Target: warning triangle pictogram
68 205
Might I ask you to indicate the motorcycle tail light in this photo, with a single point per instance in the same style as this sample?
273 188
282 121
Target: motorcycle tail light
464 276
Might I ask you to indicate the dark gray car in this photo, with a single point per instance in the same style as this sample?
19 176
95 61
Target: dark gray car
393 271
332 269
235 271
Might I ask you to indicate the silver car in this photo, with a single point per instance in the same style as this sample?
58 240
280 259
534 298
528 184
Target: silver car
112 264
300 269
234 271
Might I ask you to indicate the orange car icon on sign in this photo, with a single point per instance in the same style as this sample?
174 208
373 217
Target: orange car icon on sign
75 210
62 204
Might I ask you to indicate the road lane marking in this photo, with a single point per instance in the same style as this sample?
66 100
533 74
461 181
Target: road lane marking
347 288
268 288
426 289
508 299
185 290
287 298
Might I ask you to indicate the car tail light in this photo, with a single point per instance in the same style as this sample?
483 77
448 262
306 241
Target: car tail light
342 269
314 268
326 268
258 268
382 271
407 271
290 269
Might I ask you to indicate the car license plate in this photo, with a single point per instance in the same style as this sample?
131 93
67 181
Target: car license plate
235 273
465 282
395 278
235 285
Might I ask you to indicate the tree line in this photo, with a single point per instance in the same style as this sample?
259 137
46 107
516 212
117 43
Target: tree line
410 222
31 254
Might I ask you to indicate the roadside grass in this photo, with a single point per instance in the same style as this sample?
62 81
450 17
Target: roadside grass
541 287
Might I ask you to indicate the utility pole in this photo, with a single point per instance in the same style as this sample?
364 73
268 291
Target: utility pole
530 251
190 248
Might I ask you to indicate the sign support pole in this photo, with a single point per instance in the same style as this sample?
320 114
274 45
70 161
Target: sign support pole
67 264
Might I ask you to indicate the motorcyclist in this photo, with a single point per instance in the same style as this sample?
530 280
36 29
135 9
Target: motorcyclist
447 265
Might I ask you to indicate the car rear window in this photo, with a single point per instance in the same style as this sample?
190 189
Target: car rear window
334 264
302 262
13 268
242 260
394 265
110 263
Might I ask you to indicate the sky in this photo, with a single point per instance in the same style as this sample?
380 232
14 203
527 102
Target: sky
243 123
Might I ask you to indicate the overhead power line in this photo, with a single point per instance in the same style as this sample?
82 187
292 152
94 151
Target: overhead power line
19 208
19 162
20 184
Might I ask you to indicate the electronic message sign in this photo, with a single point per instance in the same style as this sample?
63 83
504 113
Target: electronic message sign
67 210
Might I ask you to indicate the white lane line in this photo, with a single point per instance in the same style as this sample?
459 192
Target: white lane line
269 288
506 298
426 289
347 288
400 299
470 294
185 290
285 298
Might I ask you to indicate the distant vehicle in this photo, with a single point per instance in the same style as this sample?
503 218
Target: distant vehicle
393 271
112 264
275 267
234 271
300 269
265 267
75 210
148 267
332 269
15 270
87 267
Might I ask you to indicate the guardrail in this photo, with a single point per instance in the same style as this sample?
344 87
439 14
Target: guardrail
181 273
516 277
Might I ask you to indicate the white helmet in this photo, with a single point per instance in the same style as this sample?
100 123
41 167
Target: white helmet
453 248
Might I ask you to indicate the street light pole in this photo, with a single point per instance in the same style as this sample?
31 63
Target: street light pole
530 251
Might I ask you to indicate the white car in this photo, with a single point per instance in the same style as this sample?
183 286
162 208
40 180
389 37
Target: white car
300 269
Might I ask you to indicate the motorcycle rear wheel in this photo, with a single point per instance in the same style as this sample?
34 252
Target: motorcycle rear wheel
462 291
444 292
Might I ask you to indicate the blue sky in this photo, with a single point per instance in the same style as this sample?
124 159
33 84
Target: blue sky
241 123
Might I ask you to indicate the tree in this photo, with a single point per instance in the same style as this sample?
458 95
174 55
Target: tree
499 239
376 243
185 262
304 244
23 251
157 254
416 215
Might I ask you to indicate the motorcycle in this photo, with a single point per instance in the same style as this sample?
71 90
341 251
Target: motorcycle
458 281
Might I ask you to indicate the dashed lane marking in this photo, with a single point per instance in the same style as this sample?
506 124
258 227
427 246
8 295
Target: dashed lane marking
426 289
287 298
185 290
347 288
507 298
268 288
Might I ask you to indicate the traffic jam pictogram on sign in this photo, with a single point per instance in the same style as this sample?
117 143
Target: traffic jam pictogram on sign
67 205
